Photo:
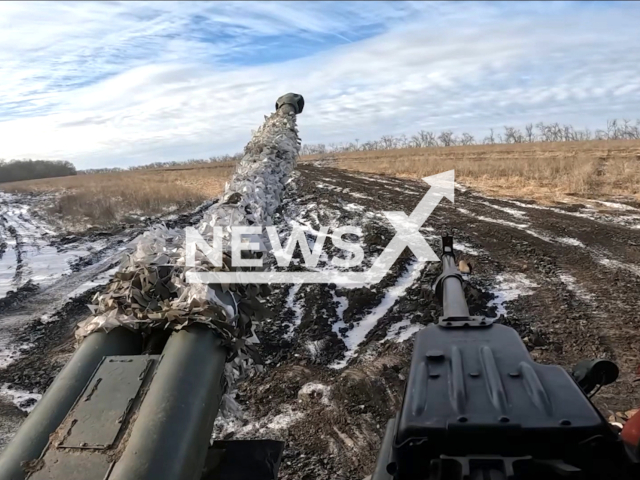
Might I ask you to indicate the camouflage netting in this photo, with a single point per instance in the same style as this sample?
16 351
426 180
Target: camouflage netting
150 291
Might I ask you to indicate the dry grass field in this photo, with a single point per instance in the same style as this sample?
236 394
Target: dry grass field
546 172
108 198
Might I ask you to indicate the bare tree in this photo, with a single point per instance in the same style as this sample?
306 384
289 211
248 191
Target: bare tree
467 139
429 139
541 132
489 139
582 135
612 129
627 131
388 142
447 138
601 135
402 141
513 135
528 133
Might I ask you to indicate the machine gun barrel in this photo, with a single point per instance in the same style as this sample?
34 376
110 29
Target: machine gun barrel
449 285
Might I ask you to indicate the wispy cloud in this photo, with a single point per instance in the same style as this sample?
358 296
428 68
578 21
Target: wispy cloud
125 83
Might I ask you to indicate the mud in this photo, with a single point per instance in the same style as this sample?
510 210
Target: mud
333 419
335 358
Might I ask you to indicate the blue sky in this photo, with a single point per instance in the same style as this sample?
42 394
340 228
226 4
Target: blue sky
125 83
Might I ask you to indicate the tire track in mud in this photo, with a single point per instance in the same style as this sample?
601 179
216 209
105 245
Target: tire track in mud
3 235
542 266
10 246
17 248
23 239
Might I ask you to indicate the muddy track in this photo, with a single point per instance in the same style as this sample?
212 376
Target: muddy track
335 358
18 247
566 278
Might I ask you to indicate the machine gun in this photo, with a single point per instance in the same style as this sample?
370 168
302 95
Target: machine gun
477 407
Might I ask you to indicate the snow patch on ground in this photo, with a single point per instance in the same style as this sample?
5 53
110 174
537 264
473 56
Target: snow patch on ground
379 179
10 353
616 265
510 286
510 211
354 207
572 284
525 228
98 281
631 221
284 420
401 331
618 206
360 195
539 235
8 264
356 336
409 332
405 190
343 303
25 401
314 348
574 242
296 307
493 220
466 248
336 188
328 186
310 388
398 184
262 428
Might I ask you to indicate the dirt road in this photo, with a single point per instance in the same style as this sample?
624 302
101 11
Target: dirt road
567 278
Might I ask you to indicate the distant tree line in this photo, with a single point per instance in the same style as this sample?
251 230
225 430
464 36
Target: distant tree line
175 163
16 170
540 132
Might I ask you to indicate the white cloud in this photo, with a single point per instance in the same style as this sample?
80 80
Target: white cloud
126 83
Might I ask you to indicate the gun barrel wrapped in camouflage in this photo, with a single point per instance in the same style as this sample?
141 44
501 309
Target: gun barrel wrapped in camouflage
150 290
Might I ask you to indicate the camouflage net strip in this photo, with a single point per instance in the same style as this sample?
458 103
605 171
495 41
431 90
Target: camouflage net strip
150 292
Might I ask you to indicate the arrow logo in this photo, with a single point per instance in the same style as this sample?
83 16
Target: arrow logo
407 235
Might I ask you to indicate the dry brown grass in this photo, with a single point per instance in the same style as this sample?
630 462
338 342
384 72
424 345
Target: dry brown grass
107 198
546 172
543 171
